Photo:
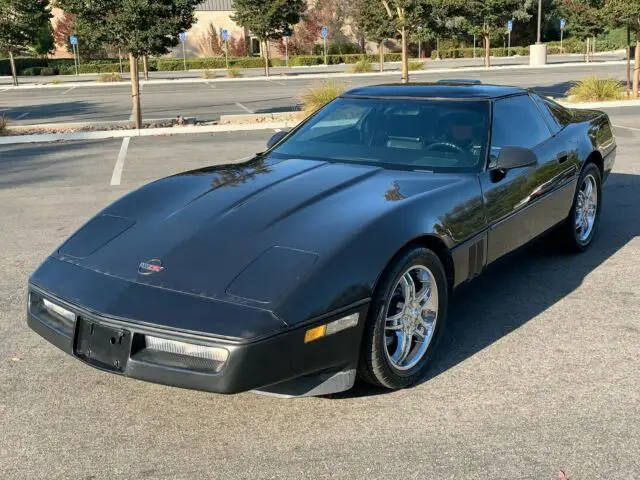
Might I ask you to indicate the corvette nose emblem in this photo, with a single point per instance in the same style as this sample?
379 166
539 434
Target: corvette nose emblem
150 267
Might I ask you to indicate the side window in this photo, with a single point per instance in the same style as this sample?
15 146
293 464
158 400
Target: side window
546 113
561 114
517 122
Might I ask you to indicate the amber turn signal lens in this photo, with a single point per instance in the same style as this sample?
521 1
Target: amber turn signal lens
315 333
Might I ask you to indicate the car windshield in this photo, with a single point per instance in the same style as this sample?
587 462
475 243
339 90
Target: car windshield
436 135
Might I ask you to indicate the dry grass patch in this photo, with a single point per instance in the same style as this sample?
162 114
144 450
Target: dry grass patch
4 125
319 95
109 77
361 66
234 72
594 89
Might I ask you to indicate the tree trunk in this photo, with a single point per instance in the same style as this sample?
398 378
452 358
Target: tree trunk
487 50
636 68
405 57
628 59
381 52
266 57
145 67
135 90
14 72
628 69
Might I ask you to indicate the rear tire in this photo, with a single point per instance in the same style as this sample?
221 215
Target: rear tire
580 226
405 322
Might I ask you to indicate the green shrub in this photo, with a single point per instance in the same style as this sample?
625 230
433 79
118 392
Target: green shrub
337 48
21 64
417 65
48 71
31 71
361 66
305 60
247 62
208 75
319 95
594 89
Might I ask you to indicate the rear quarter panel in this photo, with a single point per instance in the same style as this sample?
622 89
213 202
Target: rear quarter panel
594 133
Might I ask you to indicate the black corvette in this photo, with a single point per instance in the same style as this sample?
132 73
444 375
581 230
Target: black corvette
333 253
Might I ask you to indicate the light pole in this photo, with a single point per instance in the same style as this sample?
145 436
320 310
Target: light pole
538 52
539 40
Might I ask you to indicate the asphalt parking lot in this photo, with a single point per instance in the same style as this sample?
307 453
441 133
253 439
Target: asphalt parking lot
209 100
537 373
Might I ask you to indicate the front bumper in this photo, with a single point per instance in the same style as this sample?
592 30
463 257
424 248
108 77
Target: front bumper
282 364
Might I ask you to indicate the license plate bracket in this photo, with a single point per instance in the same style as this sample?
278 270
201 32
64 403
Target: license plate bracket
104 347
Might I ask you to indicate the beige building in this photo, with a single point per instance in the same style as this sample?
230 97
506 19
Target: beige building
215 14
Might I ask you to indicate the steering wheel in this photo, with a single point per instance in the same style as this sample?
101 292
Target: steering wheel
450 146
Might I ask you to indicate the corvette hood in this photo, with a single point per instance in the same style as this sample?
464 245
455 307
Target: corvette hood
199 232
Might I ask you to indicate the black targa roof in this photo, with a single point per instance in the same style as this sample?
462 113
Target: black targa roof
435 90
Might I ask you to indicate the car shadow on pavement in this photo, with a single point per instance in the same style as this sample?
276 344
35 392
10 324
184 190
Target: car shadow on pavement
51 111
556 91
525 284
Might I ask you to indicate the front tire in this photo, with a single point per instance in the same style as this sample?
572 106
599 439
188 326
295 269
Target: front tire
406 320
580 226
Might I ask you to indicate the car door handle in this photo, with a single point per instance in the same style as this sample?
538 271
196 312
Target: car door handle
563 157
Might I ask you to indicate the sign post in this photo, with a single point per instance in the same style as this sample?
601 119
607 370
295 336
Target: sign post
73 40
325 34
509 29
563 24
182 36
474 45
225 39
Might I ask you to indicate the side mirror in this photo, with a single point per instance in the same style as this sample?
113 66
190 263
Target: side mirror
276 138
514 157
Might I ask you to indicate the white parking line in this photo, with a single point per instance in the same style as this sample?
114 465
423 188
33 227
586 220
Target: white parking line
116 177
67 91
246 109
627 128
3 90
211 85
273 81
22 116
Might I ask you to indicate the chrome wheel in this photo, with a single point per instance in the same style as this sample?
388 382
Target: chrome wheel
411 314
586 208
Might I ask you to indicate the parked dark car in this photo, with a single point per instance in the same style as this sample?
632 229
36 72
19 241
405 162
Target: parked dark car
330 255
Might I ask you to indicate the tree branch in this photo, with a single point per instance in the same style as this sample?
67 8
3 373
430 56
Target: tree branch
387 8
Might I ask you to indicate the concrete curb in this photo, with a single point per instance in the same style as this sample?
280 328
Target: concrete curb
147 132
321 76
608 104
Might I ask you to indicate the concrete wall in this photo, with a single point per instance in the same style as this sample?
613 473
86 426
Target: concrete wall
221 19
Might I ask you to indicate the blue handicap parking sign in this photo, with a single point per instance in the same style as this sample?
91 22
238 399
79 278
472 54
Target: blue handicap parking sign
182 36
225 35
73 40
325 32
563 23
510 25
